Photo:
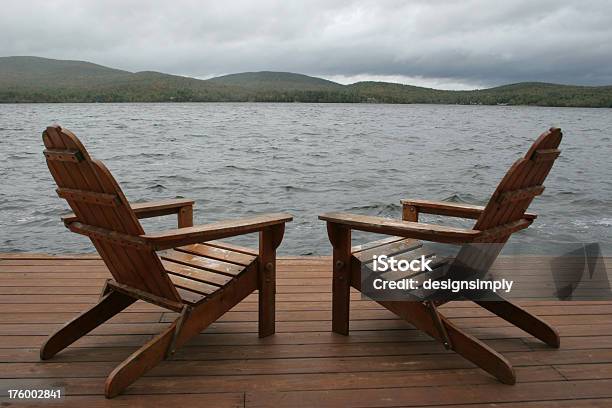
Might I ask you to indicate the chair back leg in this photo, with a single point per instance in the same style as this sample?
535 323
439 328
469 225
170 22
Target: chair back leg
524 320
109 305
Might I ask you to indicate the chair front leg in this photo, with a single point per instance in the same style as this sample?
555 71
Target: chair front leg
139 362
340 238
269 239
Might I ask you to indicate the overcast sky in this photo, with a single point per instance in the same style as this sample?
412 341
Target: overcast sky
442 44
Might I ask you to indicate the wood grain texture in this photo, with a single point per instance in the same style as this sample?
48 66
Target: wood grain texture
214 231
408 229
452 209
384 361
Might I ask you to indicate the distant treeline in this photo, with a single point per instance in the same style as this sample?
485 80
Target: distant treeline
33 79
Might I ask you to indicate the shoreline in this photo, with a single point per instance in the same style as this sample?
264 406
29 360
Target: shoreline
301 103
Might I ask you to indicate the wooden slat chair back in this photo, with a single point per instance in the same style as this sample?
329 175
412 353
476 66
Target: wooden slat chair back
97 201
523 181
505 211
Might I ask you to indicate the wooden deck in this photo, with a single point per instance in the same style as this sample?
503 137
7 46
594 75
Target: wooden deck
384 362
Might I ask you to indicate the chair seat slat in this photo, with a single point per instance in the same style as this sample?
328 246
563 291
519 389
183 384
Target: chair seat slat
201 262
202 275
189 297
219 254
193 285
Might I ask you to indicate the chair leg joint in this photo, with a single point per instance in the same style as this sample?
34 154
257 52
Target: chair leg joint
441 329
177 330
105 289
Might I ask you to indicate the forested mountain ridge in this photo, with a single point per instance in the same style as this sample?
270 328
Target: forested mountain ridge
35 79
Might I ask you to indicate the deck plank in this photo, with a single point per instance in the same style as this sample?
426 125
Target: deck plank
383 362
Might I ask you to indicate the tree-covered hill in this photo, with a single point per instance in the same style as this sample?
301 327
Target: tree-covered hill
266 80
34 79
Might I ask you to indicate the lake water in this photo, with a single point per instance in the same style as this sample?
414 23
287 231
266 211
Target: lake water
235 160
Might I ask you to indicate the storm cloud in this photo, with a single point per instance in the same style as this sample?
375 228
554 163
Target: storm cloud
444 44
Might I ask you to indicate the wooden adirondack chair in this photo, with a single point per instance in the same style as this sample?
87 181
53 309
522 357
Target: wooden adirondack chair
199 277
503 215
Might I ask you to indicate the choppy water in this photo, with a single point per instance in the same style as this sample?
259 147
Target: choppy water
240 159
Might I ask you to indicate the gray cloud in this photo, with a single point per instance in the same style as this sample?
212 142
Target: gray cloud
434 43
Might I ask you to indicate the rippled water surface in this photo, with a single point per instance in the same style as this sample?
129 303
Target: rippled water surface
238 159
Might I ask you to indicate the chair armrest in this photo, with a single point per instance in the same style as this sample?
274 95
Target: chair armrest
412 208
216 230
407 229
180 206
